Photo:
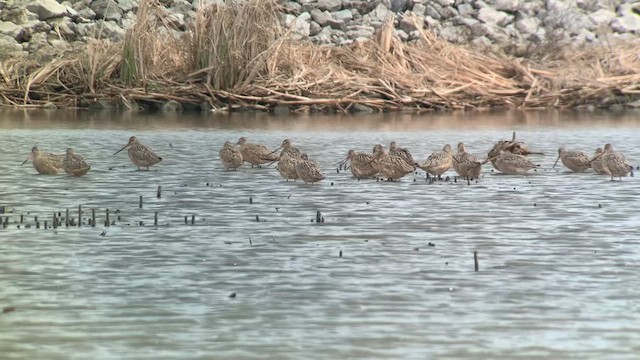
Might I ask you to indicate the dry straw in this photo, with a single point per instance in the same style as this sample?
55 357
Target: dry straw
237 54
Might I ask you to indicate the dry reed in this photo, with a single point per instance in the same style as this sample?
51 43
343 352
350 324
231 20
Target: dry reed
238 55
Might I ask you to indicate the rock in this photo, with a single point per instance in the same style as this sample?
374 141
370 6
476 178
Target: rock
433 10
128 20
314 28
321 17
9 47
380 13
132 5
177 21
602 17
28 29
401 35
102 29
329 5
506 5
465 21
299 26
181 6
17 14
493 17
399 6
87 13
45 9
431 23
360 31
64 27
626 24
342 15
481 42
292 7
448 12
419 9
171 106
323 37
466 9
453 34
528 26
445 3
10 29
106 9
407 25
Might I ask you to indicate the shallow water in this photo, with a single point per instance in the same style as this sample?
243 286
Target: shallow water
558 252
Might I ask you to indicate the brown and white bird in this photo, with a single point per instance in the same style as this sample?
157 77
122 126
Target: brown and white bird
140 155
513 164
390 166
74 164
596 163
438 162
576 161
308 170
402 153
45 163
614 163
465 164
256 154
361 165
230 156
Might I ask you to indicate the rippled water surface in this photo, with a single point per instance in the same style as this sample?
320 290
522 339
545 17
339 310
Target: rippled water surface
558 252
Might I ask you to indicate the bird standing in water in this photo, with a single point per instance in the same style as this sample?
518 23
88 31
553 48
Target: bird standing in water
256 154
44 162
576 161
139 154
75 164
230 156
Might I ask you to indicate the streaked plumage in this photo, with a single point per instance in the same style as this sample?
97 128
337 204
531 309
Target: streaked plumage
287 167
75 164
576 161
308 170
465 164
44 162
361 165
615 163
512 146
390 166
596 163
140 155
377 148
513 164
438 162
230 156
256 154
288 150
402 153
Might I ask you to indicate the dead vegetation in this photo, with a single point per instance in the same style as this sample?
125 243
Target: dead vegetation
238 56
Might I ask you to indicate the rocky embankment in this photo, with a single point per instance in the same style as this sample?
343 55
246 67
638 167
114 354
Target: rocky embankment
45 29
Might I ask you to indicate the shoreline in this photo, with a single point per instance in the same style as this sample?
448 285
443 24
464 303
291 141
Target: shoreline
263 67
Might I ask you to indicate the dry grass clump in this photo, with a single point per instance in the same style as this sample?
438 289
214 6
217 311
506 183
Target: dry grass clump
238 55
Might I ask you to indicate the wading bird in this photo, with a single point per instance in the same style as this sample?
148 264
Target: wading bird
438 162
402 153
44 162
614 163
139 154
390 166
287 166
75 164
256 154
361 165
513 164
596 163
308 170
576 161
465 164
230 156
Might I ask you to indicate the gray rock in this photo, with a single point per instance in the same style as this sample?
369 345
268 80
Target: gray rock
65 27
360 31
419 9
10 29
300 27
528 26
171 106
401 35
87 13
626 24
407 25
321 17
479 4
130 5
482 42
431 23
323 37
466 9
37 41
177 21
314 28
342 15
329 5
454 34
399 6
493 17
17 14
45 9
506 5
27 30
102 30
602 17
8 47
464 21
433 10
380 13
106 9
128 20
445 3
448 12
292 7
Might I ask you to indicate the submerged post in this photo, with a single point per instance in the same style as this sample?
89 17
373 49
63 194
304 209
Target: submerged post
140 204
66 218
93 217
155 219
21 218
318 216
193 219
55 221
159 193
107 223
475 260
79 215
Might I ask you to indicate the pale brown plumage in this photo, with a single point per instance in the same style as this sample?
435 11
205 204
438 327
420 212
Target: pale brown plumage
288 150
615 163
361 165
230 156
438 162
512 146
308 170
576 161
287 166
465 164
596 163
513 164
75 164
140 155
256 154
390 166
402 153
45 163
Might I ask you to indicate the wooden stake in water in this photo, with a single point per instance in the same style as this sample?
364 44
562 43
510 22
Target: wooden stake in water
93 217
21 219
193 219
37 225
140 204
66 218
159 193
318 217
79 215
46 225
155 219
55 221
475 260
107 222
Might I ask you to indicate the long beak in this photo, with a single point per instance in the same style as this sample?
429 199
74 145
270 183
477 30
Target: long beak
489 159
124 147
554 164
596 157
24 162
276 150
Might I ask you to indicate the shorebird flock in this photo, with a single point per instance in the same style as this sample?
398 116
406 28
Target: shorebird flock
507 156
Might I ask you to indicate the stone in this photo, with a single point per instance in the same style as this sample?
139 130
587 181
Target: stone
298 26
419 9
399 6
445 3
448 12
177 21
506 5
292 7
131 5
380 13
466 10
9 29
527 26
30 28
102 29
9 47
128 20
314 28
329 5
323 37
63 27
602 17
433 10
626 24
453 34
464 21
360 31
401 34
46 9
493 17
321 17
106 9
431 23
407 25
342 15
481 42
87 13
